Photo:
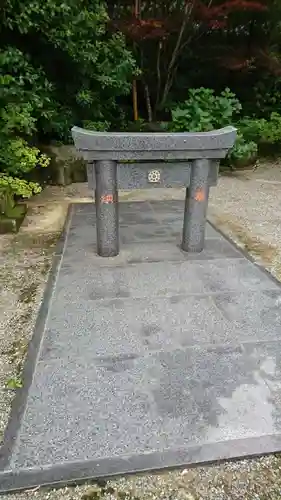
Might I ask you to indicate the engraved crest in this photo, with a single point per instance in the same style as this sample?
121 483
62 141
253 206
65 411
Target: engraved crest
154 176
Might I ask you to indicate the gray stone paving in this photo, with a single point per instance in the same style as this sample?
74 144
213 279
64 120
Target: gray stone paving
151 359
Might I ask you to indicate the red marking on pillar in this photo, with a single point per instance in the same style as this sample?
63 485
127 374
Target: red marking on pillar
199 195
107 198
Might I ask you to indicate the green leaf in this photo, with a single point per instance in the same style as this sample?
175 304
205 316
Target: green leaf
14 383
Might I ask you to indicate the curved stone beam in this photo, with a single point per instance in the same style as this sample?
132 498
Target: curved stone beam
120 146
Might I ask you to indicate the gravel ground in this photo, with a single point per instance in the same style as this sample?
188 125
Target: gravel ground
247 207
24 265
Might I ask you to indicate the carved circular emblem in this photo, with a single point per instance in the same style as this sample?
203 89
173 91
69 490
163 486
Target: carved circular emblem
154 176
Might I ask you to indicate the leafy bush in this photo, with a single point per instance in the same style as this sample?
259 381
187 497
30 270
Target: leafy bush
20 107
64 63
97 126
243 152
11 186
204 111
59 66
17 158
261 130
266 97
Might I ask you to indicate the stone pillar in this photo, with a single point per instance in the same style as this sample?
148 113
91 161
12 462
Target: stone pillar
196 203
106 198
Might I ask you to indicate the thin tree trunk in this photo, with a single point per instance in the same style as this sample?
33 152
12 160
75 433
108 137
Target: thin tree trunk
135 101
135 88
148 103
187 12
158 69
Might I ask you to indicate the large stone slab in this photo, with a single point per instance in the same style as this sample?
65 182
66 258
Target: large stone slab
152 359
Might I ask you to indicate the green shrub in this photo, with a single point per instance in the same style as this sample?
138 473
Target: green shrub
63 61
20 107
59 66
204 111
242 153
11 186
266 97
17 159
261 130
97 126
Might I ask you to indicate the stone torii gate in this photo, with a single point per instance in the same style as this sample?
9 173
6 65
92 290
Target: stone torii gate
117 160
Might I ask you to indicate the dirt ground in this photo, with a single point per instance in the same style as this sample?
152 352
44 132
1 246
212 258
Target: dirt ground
247 207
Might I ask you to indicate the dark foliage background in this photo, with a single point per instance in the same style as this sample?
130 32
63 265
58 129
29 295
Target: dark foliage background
69 62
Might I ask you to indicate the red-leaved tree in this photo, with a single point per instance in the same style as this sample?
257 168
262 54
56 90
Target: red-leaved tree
161 32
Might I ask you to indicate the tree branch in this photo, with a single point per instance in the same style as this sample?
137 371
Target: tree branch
187 13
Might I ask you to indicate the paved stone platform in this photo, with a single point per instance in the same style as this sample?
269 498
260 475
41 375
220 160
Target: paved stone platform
151 359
